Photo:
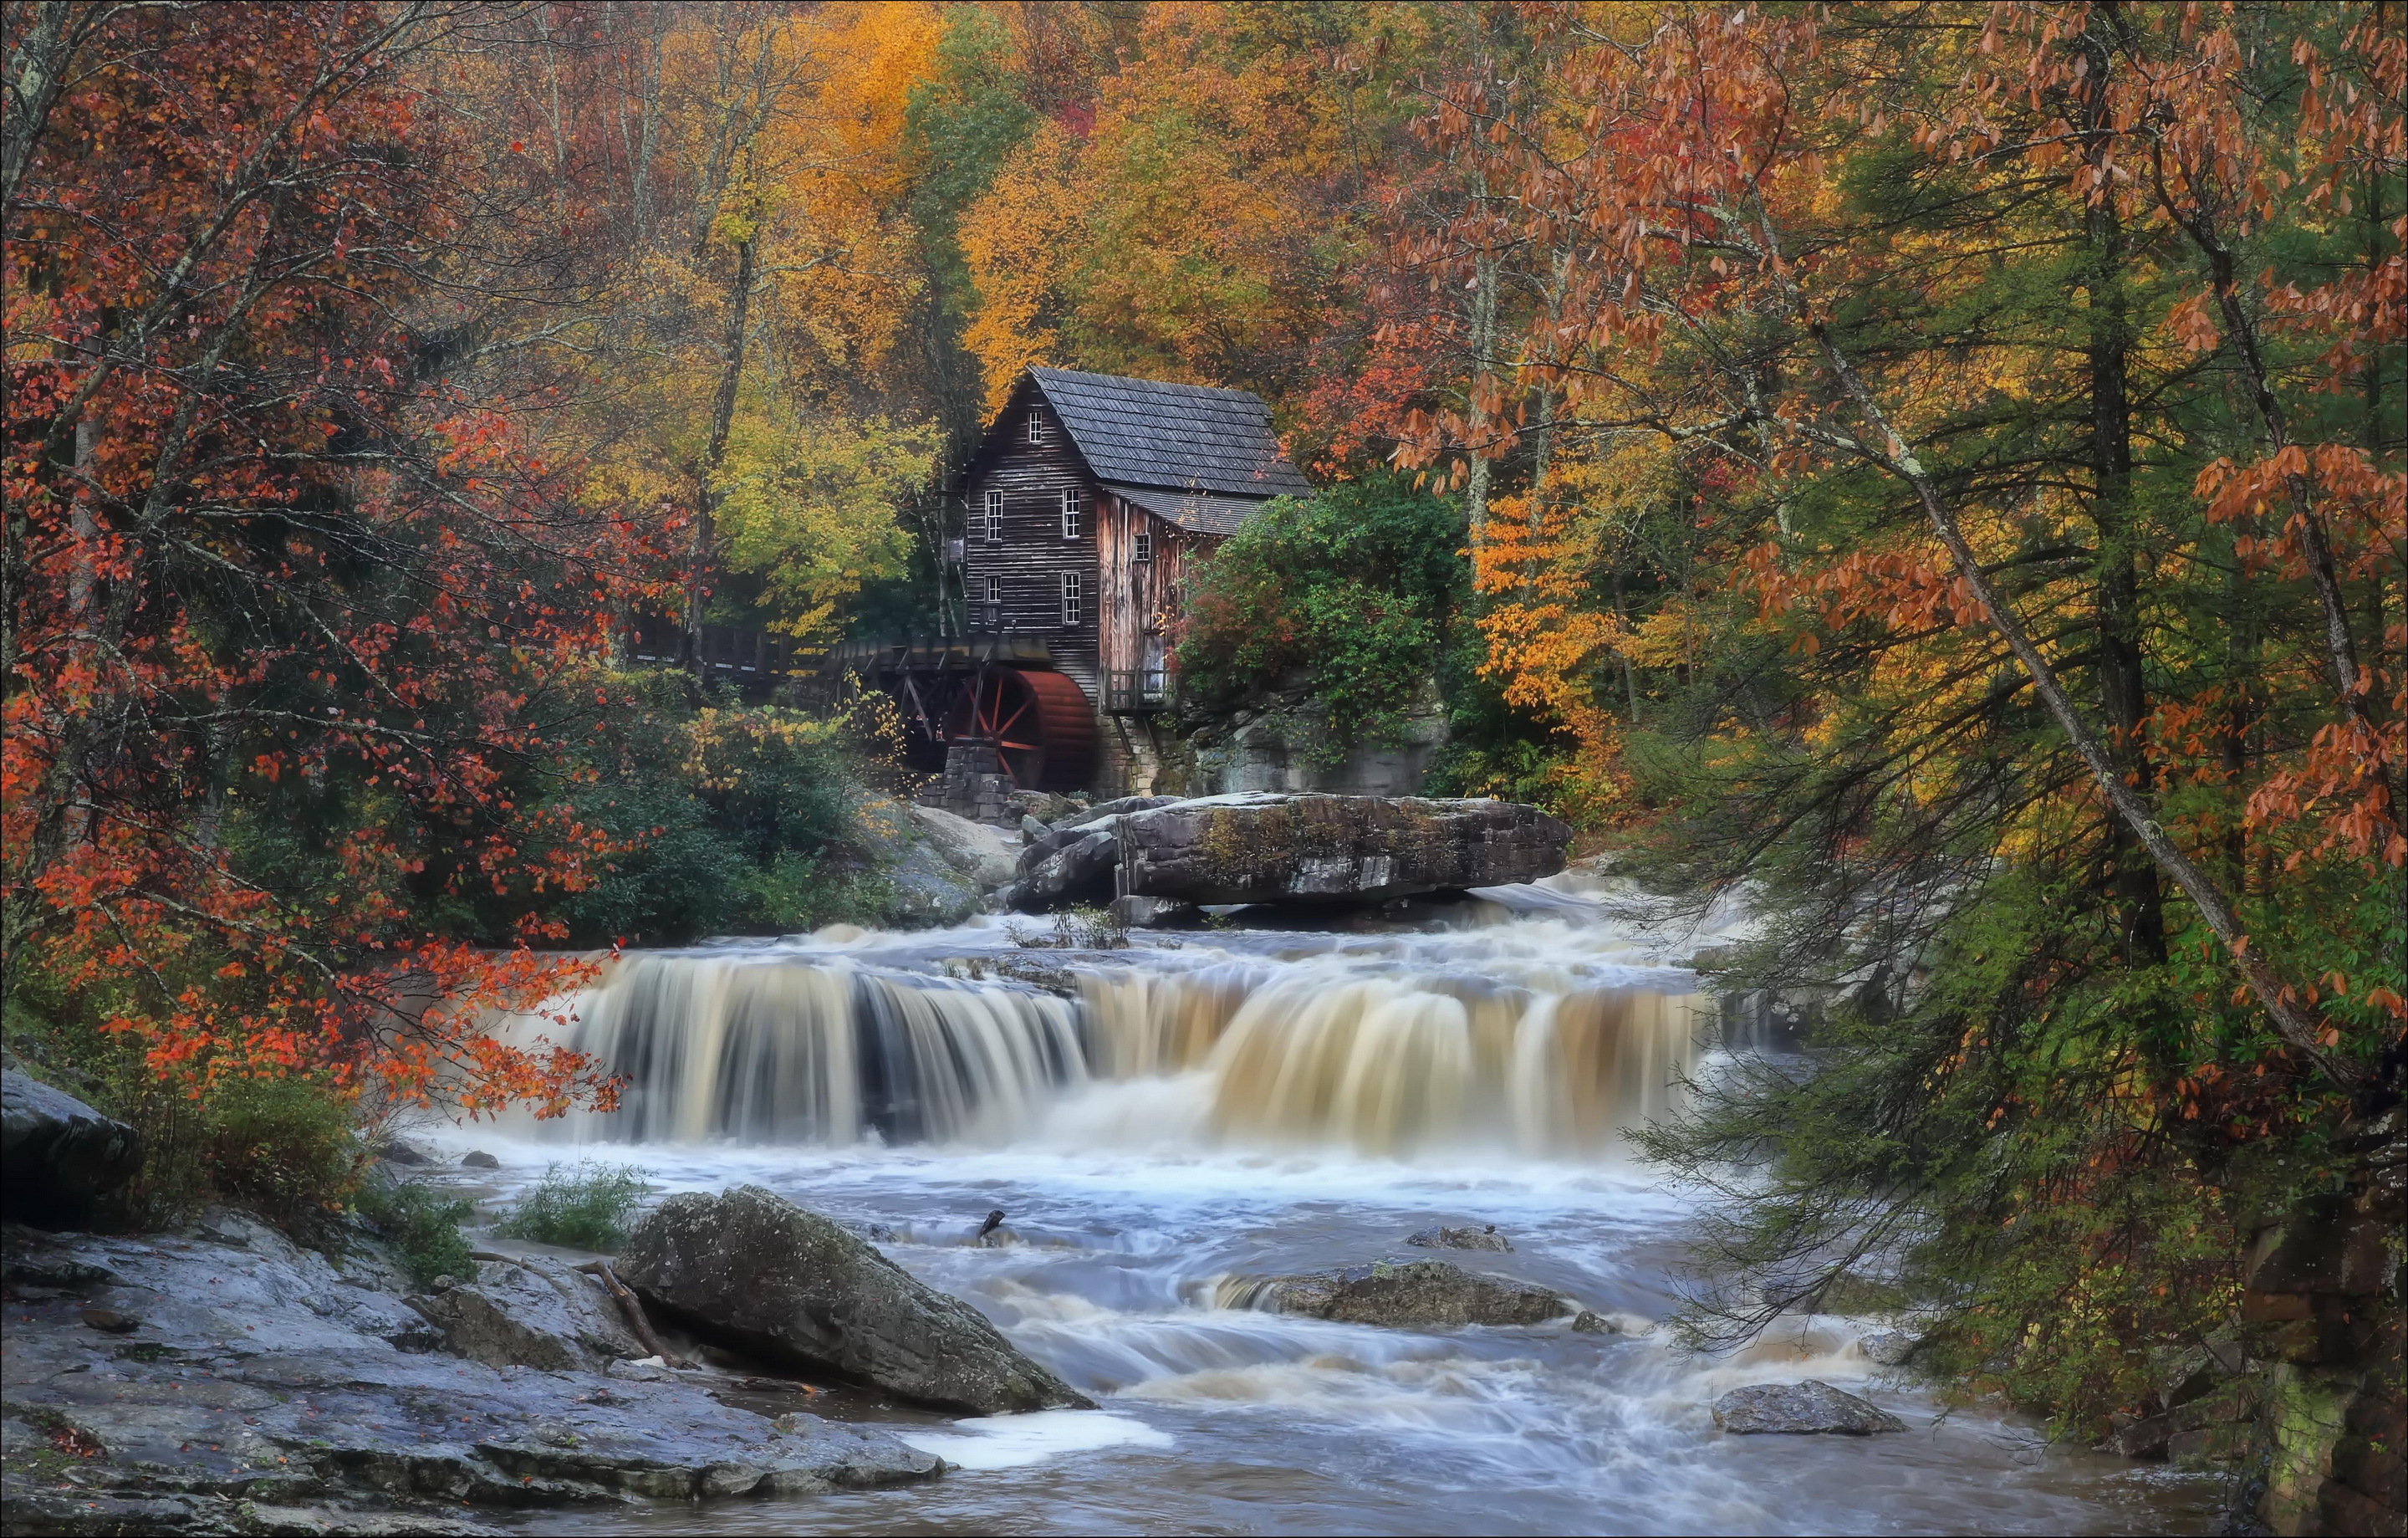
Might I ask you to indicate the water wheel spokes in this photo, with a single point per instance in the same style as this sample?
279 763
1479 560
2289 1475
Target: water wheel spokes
1040 725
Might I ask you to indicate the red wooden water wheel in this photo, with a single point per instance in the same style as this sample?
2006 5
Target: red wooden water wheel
1041 725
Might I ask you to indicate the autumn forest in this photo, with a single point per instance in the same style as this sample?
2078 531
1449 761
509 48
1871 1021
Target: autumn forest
1933 473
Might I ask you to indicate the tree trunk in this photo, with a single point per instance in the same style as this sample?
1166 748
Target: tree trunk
2275 996
723 414
2123 681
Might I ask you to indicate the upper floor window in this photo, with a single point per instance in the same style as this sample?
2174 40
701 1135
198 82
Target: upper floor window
1036 426
1141 545
1074 513
994 518
1074 595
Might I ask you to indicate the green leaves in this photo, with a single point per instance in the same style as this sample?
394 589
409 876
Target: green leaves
807 502
1346 594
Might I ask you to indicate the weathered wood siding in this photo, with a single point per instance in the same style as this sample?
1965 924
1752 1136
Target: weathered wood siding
1143 598
1032 556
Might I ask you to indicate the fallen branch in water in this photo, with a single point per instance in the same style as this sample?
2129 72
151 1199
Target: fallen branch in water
634 1310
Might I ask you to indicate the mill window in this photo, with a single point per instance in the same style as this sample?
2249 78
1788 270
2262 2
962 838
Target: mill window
1073 597
1036 426
1141 545
994 518
994 603
1074 513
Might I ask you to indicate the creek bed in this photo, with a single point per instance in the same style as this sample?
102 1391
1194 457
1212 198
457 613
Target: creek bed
1253 1104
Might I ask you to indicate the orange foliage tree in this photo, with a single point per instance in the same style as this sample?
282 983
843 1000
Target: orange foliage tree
291 616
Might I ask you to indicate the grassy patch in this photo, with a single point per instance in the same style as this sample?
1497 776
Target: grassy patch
422 1224
582 1206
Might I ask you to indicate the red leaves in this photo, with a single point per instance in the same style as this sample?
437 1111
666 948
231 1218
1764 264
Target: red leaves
223 603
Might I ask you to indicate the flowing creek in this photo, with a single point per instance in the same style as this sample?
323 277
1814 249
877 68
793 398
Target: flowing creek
1251 1103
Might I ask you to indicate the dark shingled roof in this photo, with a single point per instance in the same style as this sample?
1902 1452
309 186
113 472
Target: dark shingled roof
1187 436
1199 512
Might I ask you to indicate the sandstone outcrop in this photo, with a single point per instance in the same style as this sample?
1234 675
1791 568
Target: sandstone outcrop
1308 848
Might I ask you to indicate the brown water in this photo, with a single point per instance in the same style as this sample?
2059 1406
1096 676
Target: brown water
1250 1104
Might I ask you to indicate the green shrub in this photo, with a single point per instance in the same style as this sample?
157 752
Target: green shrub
584 1206
285 1148
1350 593
422 1224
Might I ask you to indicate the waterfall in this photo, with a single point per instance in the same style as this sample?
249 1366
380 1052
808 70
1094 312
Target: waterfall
1394 1046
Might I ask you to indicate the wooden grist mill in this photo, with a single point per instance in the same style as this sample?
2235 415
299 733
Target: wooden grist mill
1086 500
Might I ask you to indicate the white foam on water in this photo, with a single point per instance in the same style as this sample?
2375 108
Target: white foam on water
1010 1442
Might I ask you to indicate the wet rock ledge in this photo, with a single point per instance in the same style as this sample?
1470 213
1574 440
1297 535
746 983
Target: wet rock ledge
229 1382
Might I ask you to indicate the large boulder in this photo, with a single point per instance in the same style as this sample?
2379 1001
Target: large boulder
972 849
1067 867
1307 848
752 1270
1800 1409
1402 1294
927 887
537 1312
62 1158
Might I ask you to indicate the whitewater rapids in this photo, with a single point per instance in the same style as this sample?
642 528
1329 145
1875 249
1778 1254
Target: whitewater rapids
1159 1120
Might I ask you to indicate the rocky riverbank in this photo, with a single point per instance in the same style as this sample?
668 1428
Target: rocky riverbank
225 1380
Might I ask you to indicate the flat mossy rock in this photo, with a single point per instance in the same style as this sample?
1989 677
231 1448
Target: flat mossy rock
1401 1294
751 1271
1268 847
1800 1409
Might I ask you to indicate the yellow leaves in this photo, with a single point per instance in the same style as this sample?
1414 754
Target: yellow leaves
1021 242
1680 632
808 503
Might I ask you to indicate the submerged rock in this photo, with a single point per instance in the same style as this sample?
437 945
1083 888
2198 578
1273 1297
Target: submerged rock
1799 1409
1402 1294
533 1312
1307 848
1590 1323
1460 1238
261 1390
752 1270
59 1158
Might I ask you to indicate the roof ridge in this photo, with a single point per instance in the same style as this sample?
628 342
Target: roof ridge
1155 385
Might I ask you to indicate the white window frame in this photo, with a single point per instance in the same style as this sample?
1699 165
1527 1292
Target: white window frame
1074 598
1074 512
1036 426
995 517
994 602
1141 543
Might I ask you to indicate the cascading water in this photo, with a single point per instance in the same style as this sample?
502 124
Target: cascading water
1404 1044
1162 1122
